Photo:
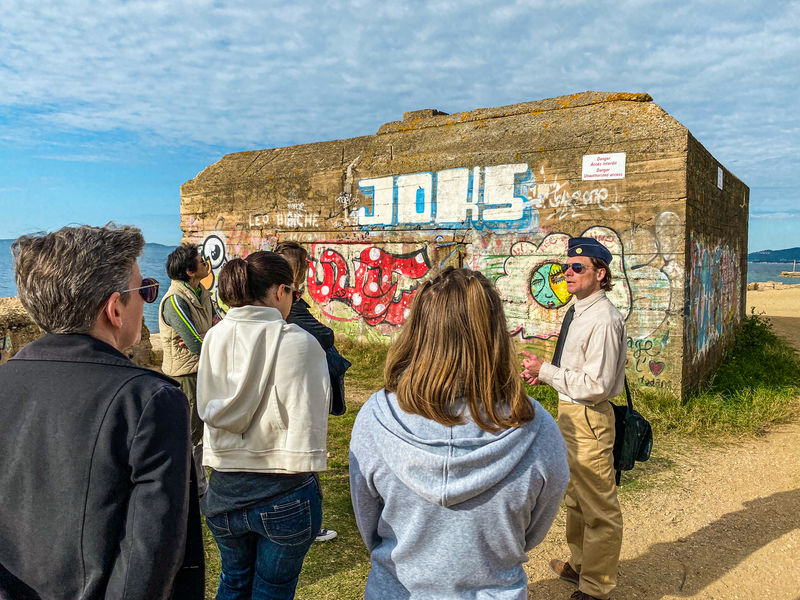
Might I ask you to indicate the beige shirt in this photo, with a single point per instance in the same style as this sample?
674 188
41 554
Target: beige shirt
593 360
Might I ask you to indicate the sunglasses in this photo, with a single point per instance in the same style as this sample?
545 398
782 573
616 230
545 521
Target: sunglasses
296 294
576 267
148 290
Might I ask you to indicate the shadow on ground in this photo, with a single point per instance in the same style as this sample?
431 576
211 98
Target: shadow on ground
685 566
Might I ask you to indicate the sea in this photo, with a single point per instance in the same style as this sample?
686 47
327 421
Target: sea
153 260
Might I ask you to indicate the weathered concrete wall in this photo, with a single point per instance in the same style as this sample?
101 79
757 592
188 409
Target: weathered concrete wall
497 190
717 206
17 329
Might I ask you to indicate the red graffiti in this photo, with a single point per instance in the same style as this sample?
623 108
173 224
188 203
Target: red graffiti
371 292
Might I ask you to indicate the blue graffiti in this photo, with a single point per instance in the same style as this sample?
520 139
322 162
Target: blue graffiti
493 197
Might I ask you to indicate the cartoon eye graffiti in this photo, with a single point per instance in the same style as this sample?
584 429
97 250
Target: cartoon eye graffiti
549 286
214 251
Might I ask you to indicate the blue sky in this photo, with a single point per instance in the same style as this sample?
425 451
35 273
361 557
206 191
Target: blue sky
106 108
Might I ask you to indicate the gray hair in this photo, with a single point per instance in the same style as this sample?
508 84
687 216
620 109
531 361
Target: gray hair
64 278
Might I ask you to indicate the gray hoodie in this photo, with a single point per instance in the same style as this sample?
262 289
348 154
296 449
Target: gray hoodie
450 512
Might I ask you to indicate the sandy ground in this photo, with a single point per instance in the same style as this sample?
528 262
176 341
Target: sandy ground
782 306
720 523
716 523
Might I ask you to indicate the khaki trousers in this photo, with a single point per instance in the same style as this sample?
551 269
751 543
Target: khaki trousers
594 519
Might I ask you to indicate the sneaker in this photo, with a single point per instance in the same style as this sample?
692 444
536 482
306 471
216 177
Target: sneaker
325 534
564 571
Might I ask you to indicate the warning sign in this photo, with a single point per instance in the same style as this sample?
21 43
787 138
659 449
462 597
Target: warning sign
603 166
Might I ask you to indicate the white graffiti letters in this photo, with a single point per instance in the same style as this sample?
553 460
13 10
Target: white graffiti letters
493 196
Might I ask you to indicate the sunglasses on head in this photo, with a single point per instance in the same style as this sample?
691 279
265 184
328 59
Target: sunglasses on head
576 267
148 290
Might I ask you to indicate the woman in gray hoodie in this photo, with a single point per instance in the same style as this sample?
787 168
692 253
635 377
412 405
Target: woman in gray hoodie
455 473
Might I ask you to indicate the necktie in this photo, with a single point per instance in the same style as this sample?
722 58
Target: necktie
562 336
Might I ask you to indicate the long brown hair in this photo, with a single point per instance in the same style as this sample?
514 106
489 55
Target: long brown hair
454 346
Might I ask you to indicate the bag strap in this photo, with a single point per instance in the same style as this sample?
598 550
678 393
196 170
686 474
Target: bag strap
628 395
618 474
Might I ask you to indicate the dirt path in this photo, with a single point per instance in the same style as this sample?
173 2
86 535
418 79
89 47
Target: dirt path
723 523
720 523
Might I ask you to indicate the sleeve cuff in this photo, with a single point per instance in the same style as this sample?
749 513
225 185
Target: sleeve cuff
547 372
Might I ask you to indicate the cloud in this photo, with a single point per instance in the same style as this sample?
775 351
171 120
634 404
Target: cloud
243 75
776 216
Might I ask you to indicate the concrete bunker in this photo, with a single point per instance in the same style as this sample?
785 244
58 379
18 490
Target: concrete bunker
500 190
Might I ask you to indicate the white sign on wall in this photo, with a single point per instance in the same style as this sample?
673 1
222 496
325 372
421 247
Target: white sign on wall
719 177
603 166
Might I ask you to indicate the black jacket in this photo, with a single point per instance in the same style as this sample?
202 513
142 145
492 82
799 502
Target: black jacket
337 364
94 477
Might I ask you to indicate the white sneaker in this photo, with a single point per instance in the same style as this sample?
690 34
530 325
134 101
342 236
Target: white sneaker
325 534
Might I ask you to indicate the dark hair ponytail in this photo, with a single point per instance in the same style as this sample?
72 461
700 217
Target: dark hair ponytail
243 281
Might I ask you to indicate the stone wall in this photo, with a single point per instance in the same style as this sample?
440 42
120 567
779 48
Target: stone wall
498 190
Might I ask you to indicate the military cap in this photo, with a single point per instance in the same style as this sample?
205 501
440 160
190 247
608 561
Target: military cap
588 247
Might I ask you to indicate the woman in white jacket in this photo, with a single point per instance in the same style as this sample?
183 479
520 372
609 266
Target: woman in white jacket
263 392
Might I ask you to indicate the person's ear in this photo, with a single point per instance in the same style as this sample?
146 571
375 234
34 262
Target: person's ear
113 310
601 273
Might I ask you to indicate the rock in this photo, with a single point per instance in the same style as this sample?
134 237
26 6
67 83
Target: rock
18 329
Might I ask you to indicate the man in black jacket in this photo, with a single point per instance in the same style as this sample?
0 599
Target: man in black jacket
94 450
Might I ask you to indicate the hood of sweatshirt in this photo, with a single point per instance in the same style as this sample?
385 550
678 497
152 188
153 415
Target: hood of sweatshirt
445 465
236 362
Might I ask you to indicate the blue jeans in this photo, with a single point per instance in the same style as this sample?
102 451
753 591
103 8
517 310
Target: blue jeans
262 548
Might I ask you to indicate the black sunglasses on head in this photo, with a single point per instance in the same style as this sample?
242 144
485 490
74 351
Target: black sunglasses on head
148 290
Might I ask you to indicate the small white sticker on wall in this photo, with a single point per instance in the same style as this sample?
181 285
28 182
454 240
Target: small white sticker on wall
719 177
603 166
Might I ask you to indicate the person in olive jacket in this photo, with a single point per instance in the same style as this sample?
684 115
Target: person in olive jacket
94 450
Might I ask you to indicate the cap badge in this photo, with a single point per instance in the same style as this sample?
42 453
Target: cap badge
578 250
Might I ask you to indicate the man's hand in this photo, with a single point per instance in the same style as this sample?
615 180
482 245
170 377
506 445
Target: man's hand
215 319
531 366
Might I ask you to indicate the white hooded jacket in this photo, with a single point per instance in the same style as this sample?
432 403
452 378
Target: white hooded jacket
263 392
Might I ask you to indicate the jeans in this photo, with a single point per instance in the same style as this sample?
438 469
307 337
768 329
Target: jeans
262 548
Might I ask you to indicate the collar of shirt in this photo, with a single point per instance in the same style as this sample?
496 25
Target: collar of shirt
196 291
582 305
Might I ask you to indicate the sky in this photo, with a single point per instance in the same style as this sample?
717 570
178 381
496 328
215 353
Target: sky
106 108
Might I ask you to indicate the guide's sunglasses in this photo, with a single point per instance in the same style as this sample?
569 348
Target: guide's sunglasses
148 290
576 267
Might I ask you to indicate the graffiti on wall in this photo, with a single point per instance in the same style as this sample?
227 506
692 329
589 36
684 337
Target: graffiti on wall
493 197
648 289
213 252
715 283
562 202
359 281
533 288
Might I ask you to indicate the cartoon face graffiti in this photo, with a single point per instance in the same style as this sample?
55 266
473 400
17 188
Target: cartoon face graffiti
213 252
549 286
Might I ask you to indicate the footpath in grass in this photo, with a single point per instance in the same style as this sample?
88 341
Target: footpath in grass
757 386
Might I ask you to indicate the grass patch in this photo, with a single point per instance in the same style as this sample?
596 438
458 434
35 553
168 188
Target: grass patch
368 360
757 385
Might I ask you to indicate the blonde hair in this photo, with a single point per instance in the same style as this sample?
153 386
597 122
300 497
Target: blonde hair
455 347
297 257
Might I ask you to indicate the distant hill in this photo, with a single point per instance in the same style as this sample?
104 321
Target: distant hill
775 256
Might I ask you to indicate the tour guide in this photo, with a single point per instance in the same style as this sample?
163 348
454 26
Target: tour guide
587 369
